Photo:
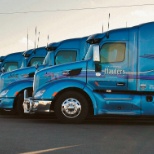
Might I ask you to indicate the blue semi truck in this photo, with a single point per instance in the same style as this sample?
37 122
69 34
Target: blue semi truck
18 60
15 82
30 58
115 78
11 62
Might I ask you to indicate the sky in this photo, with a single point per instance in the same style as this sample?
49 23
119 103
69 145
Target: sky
64 19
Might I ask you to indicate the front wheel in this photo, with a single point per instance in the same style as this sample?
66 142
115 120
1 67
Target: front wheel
71 107
1 112
19 105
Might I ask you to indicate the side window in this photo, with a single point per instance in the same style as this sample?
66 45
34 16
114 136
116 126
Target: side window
10 66
36 61
65 56
113 52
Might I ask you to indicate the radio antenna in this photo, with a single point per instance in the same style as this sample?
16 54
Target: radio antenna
109 22
35 36
38 39
47 40
107 34
27 39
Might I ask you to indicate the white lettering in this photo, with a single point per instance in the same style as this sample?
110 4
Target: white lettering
114 71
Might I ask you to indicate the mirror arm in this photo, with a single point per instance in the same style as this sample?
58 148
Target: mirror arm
98 67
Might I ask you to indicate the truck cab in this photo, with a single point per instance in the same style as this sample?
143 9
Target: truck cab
34 57
11 62
58 53
31 58
115 78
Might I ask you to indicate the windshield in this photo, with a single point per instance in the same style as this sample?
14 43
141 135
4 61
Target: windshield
89 54
10 66
47 59
33 62
36 61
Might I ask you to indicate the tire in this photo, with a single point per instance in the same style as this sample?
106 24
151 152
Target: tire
71 107
19 105
1 112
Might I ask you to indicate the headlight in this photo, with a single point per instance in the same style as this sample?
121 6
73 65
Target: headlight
3 93
39 93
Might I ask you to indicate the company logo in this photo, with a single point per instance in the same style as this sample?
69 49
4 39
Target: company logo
114 71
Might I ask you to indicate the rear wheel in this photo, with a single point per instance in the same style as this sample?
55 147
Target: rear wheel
71 107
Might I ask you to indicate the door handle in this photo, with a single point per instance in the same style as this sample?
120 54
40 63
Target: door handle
121 84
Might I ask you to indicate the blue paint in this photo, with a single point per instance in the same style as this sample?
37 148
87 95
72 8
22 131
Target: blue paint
56 53
121 86
11 62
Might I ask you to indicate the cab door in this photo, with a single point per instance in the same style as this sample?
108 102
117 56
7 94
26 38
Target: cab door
113 65
108 79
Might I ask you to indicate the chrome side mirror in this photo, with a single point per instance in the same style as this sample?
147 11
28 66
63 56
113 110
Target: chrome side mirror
96 55
96 58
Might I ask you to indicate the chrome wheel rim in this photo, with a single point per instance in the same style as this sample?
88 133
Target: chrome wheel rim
71 108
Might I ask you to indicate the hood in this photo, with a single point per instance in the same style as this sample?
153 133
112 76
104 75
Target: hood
59 72
20 74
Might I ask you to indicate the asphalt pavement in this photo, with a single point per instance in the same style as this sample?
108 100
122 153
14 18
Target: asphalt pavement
44 134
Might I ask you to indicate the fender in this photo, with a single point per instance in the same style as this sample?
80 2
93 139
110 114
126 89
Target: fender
16 87
93 99
55 87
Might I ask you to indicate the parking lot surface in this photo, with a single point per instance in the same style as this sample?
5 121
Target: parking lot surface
44 134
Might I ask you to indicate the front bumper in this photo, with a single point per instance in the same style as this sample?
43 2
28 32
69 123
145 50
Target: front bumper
32 106
6 103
